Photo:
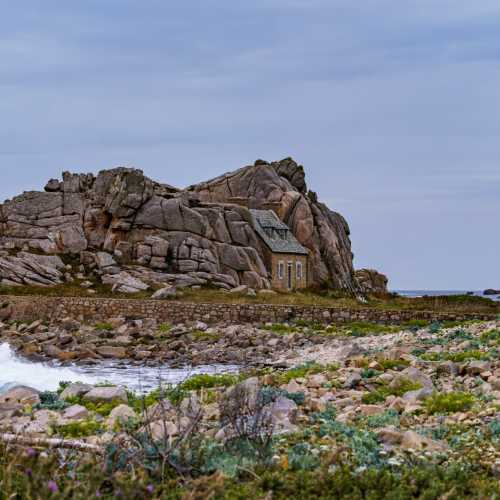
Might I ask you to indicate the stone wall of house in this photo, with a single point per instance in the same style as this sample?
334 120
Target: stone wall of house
282 284
28 308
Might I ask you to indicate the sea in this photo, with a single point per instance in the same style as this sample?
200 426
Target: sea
46 376
436 293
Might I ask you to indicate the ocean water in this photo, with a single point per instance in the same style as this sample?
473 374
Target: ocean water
435 293
46 376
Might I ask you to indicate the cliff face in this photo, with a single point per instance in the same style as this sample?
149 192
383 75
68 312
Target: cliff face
120 221
282 185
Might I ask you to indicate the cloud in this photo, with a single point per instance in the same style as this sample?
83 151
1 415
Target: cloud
393 108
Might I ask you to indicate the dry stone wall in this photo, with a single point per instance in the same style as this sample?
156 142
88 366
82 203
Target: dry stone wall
27 308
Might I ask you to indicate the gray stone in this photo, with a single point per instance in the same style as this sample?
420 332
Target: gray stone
106 394
165 293
75 390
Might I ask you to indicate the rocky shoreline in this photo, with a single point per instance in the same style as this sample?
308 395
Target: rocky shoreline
360 394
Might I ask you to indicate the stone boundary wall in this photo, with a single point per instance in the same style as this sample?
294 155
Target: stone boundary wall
26 308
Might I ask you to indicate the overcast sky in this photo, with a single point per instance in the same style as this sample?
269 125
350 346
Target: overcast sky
393 107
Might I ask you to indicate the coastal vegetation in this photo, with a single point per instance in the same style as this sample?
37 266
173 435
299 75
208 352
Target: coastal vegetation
311 297
380 422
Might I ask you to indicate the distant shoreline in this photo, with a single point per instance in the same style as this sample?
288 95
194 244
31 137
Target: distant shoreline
440 293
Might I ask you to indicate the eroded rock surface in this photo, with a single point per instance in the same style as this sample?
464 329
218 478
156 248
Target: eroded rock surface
372 282
134 233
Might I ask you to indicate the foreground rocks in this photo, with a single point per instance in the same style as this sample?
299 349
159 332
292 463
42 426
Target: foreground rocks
372 282
427 393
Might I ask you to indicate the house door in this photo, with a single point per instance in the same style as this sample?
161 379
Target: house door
290 267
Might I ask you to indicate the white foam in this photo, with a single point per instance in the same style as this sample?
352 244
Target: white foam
41 376
46 376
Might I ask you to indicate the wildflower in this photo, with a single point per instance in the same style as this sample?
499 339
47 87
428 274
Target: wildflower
150 488
52 486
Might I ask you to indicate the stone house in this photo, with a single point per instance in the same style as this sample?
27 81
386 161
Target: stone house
285 258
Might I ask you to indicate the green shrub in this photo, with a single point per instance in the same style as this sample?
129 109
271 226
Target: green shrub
200 336
164 328
363 329
435 327
490 337
50 401
281 328
303 370
268 394
79 429
104 326
206 381
101 408
457 357
388 417
415 324
393 364
380 395
495 428
369 373
449 403
302 457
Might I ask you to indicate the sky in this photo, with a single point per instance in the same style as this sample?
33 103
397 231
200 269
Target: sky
392 107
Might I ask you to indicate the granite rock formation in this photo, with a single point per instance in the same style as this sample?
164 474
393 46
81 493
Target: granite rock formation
135 234
372 282
282 187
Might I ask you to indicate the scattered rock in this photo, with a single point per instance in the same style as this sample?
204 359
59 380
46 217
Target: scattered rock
106 394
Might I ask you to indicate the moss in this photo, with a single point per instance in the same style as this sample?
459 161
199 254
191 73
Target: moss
206 381
457 357
164 328
108 327
449 403
393 364
79 429
201 336
301 371
103 409
361 329
380 395
281 328
491 337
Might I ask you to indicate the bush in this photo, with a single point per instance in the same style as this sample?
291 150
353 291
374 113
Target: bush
393 364
206 381
50 401
104 326
457 357
449 403
280 328
301 371
380 395
164 328
79 429
268 394
389 417
491 337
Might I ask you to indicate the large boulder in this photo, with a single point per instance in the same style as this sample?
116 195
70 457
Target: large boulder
21 395
120 220
281 186
372 282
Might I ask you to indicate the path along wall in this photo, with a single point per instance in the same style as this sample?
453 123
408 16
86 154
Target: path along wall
27 308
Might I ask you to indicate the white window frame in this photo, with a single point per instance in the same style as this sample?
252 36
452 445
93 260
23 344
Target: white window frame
281 270
298 271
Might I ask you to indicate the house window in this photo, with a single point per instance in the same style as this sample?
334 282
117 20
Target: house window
299 271
281 269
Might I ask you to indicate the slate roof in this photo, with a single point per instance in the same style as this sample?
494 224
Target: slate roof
287 243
